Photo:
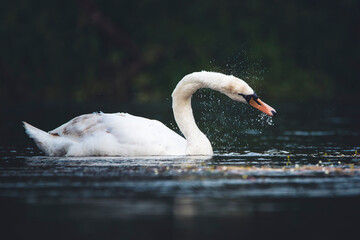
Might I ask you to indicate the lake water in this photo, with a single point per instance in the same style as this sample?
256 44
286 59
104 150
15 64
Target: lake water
294 176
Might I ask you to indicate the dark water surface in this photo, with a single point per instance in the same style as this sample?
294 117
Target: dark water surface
296 176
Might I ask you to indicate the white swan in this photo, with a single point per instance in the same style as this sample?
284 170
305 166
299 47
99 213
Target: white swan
122 134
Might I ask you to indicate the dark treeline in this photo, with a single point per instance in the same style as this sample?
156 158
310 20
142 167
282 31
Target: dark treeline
90 50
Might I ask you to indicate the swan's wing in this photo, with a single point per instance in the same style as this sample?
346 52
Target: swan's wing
80 126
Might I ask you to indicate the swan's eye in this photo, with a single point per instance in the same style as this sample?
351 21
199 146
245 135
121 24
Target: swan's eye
249 97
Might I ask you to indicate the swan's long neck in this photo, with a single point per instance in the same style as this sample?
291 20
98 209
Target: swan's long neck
197 142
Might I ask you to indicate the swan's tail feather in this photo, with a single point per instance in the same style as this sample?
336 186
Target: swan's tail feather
51 145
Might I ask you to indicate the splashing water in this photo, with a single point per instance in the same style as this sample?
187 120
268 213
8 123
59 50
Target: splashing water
243 66
228 123
265 119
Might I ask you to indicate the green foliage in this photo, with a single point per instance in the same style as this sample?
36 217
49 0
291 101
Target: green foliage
297 50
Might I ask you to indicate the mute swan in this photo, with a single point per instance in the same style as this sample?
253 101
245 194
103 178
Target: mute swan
122 134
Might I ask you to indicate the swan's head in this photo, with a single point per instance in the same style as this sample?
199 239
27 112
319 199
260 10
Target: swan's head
240 91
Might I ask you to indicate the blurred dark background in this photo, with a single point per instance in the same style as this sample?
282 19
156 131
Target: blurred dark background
60 59
137 51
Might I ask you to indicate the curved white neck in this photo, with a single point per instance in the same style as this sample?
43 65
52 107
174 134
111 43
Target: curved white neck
197 142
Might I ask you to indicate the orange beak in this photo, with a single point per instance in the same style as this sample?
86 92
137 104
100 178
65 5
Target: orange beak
257 103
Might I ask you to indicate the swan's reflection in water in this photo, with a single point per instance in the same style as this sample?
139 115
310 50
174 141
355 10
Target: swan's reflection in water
184 186
183 196
152 161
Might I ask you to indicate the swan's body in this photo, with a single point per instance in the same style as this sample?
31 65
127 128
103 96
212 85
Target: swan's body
123 134
103 134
